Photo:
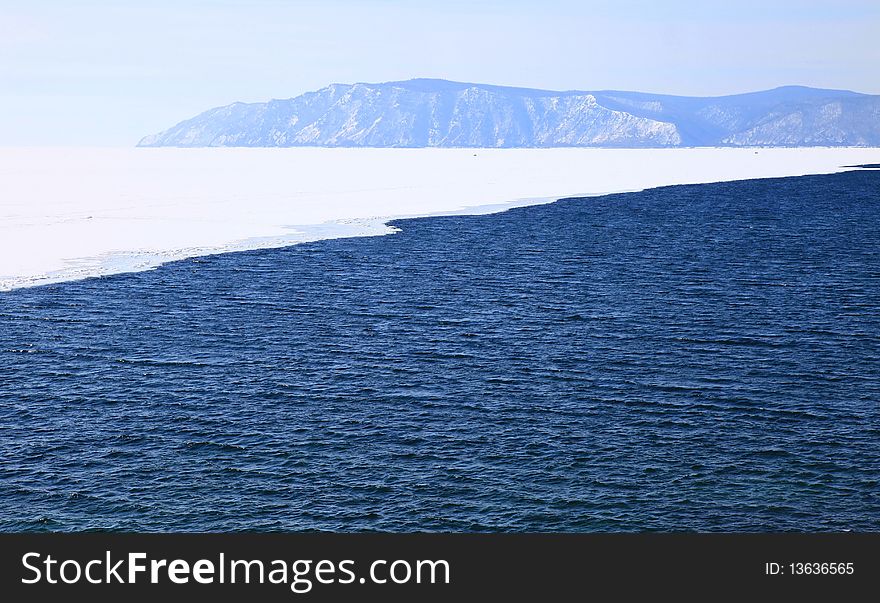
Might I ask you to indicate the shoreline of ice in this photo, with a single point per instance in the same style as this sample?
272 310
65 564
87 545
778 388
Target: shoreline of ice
71 214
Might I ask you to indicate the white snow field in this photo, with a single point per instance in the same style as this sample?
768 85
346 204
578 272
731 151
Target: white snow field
71 213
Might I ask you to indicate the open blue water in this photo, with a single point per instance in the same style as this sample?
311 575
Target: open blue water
687 358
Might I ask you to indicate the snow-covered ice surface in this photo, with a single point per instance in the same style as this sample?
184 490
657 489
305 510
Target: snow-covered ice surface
71 213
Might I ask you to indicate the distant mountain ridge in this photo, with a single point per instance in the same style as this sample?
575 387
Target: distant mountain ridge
440 113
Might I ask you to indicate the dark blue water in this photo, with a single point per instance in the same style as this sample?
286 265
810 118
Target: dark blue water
687 358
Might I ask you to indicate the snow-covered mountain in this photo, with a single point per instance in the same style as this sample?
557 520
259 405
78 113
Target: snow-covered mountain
439 113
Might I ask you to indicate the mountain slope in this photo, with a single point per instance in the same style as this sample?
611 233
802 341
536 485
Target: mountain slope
438 113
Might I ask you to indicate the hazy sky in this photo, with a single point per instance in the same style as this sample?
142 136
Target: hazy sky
107 73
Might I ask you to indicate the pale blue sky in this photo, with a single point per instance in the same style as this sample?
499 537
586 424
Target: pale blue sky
106 73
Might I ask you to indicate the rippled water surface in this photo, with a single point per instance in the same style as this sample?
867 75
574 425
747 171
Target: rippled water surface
687 358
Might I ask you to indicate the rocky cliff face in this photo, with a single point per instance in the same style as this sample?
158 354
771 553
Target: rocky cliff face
437 113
